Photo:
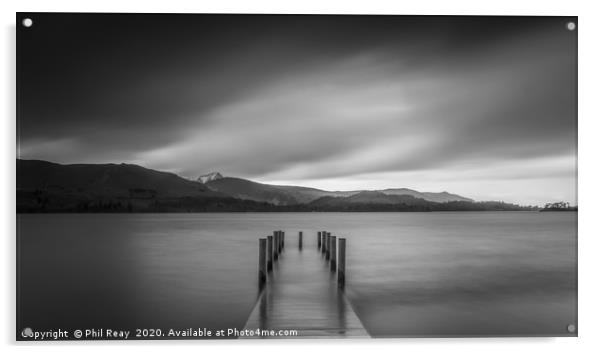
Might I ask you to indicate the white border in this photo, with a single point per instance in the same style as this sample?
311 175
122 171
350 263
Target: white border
590 198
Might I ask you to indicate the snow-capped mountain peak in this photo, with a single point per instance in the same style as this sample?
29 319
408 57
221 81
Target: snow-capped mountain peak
209 177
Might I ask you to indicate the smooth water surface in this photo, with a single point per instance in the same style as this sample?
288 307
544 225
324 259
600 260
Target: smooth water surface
408 274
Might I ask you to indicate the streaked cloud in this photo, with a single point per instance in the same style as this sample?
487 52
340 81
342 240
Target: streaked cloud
488 117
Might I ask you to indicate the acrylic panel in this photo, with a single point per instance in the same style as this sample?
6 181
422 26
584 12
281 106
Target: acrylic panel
246 176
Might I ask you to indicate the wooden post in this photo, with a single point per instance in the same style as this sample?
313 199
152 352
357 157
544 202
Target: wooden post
328 237
319 239
282 239
300 239
341 267
323 241
262 262
276 246
270 253
333 253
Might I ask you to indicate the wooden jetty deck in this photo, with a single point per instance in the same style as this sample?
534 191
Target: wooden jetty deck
302 293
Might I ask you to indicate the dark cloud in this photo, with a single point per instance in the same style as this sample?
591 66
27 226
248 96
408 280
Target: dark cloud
304 99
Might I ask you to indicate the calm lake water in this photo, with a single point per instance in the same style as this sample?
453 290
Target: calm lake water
408 274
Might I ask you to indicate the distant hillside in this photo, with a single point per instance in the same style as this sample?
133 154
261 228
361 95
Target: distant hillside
104 179
274 194
302 195
368 198
248 190
51 186
430 196
291 195
368 201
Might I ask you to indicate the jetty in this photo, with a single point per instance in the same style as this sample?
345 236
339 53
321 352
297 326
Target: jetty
302 291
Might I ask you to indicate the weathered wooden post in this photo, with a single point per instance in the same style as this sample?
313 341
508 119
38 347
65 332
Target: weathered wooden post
300 239
319 239
341 267
333 253
276 245
328 237
270 253
262 262
323 241
282 238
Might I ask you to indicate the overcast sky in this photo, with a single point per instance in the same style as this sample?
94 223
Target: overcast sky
480 106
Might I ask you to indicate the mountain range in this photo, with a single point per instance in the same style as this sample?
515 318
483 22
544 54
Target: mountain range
44 186
290 195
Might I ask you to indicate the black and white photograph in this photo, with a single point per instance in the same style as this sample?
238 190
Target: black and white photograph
295 176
